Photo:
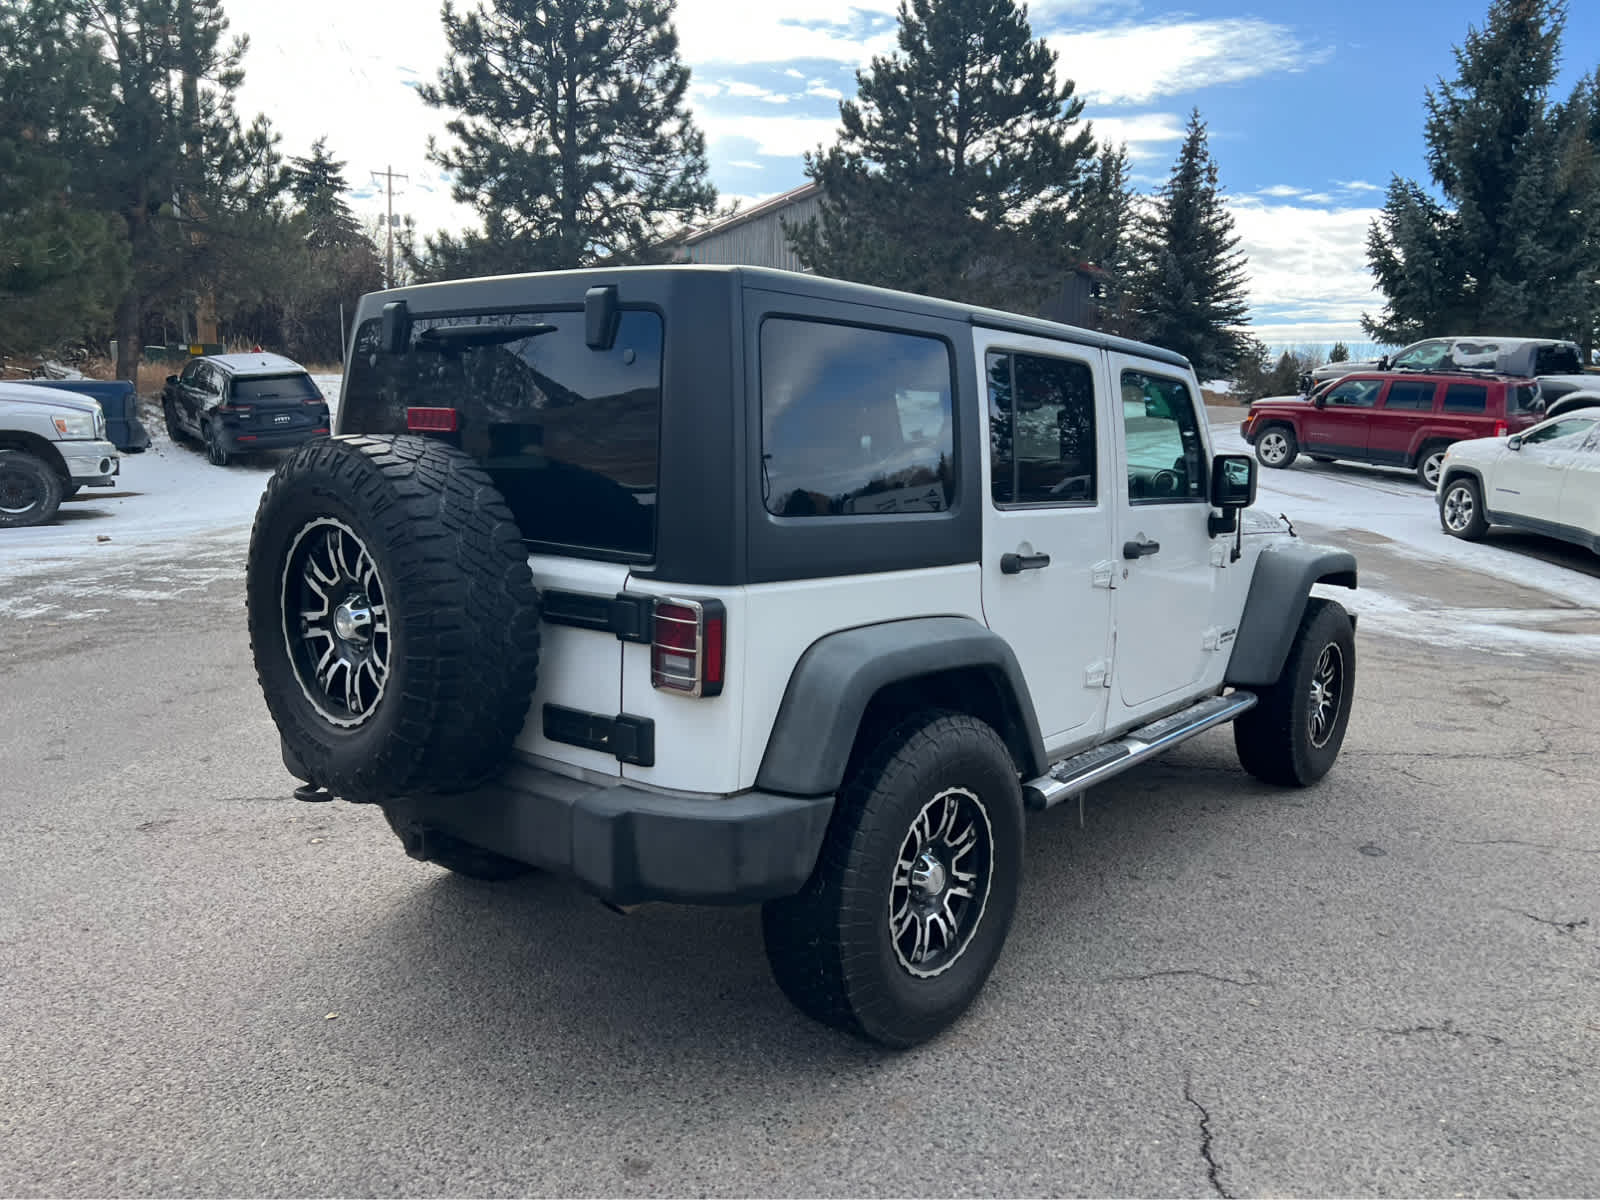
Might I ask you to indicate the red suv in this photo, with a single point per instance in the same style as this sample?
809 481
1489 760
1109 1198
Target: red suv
1393 419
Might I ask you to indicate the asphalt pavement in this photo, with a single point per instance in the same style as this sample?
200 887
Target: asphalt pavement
1386 984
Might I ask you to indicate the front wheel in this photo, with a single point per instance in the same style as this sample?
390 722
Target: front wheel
1276 447
905 914
1293 734
30 492
1461 509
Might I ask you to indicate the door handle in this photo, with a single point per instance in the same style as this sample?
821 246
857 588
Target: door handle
1015 564
1139 548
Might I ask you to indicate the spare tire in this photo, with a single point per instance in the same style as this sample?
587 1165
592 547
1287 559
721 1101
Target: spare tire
393 617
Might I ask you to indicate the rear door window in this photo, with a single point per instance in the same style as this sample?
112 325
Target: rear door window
569 435
1041 430
1466 398
1410 394
854 421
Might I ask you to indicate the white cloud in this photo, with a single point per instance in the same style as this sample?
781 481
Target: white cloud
1144 134
781 31
1135 64
747 164
774 137
793 74
1308 269
1357 185
1282 189
827 93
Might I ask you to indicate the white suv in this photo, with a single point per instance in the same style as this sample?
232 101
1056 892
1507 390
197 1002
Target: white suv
722 585
51 444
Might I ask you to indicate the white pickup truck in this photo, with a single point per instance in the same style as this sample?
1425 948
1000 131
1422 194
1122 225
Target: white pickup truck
51 444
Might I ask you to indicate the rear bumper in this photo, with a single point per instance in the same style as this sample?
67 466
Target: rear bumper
243 441
627 845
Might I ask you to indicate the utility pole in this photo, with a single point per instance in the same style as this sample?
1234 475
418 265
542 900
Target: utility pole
388 176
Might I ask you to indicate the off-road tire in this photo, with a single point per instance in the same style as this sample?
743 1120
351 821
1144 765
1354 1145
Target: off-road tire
1275 739
1267 453
458 857
30 490
169 414
1432 453
831 947
462 615
1461 509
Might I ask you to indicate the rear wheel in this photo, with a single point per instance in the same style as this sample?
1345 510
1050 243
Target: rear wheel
912 897
1430 462
1293 734
216 452
1276 447
30 492
169 413
1461 509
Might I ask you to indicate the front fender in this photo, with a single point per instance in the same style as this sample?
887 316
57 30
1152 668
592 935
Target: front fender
1284 575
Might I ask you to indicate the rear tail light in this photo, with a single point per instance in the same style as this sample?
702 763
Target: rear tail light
688 646
236 410
1501 429
432 420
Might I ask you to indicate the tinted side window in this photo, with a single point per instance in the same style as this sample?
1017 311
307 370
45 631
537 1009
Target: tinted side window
1524 397
1041 430
1466 398
569 435
1410 394
1421 357
1165 462
854 421
1355 393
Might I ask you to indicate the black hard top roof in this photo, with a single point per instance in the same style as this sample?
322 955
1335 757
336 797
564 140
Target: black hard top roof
478 291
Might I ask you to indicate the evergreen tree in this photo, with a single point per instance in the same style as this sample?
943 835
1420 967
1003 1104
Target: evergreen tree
573 140
61 264
1504 248
958 164
1101 229
1579 121
195 190
318 185
1189 292
1339 353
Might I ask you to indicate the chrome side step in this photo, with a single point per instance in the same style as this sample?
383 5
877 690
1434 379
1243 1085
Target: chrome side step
1073 776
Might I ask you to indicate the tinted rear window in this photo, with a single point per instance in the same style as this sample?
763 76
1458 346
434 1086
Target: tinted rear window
1466 398
1410 394
275 387
570 435
854 421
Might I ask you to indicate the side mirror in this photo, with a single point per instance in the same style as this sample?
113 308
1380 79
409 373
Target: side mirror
1383 362
396 327
1233 481
172 379
1515 443
1320 400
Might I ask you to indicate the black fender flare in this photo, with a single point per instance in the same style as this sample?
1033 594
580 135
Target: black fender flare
838 675
1279 589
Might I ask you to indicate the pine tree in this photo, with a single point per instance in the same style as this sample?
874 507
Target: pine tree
1339 353
61 264
573 139
1579 121
318 185
957 165
1101 229
1503 247
195 189
1189 292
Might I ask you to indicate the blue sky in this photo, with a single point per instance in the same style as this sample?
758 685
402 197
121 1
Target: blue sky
1311 107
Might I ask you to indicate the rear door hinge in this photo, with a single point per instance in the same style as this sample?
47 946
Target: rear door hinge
1103 574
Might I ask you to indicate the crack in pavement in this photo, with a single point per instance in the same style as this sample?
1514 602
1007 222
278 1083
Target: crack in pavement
1181 972
1213 1168
1558 924
1448 1029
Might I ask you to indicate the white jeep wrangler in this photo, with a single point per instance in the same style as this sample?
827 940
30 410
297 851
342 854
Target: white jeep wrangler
51 444
721 585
